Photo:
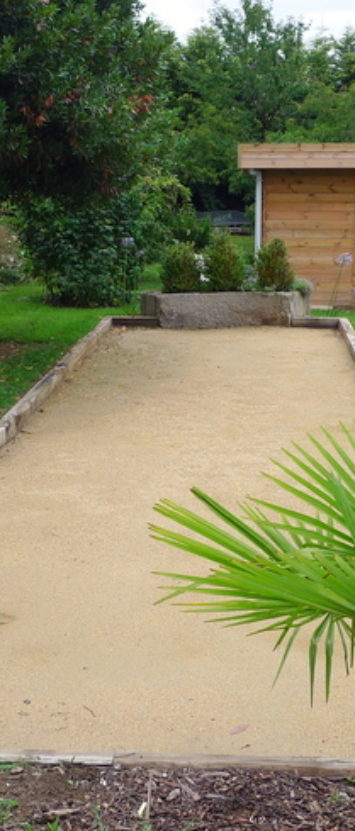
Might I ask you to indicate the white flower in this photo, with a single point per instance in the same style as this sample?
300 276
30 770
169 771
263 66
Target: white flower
200 261
344 259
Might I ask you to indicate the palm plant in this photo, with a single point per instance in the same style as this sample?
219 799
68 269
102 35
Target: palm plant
287 571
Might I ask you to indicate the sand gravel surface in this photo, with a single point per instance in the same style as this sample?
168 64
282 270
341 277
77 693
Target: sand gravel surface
87 662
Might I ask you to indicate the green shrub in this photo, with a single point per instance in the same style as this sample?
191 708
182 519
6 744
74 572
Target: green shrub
202 232
156 200
12 264
84 257
224 267
303 286
272 266
187 228
11 271
180 268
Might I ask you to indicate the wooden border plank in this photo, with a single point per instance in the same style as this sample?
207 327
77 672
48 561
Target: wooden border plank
299 765
315 322
148 321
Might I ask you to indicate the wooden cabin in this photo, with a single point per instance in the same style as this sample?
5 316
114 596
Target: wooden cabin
305 195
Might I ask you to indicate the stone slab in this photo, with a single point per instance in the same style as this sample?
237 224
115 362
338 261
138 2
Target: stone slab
207 310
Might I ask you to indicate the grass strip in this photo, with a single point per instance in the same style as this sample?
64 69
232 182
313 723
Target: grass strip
335 313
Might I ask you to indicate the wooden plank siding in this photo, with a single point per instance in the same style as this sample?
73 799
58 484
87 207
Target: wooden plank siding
313 211
297 156
309 201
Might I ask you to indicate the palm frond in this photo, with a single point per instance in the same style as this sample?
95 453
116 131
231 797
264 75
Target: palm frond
285 573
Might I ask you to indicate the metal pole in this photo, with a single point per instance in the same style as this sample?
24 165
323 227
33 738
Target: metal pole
258 208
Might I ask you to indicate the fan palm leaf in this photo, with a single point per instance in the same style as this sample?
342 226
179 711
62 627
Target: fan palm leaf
280 568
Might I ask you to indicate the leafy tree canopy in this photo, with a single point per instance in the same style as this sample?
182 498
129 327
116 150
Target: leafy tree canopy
78 80
235 80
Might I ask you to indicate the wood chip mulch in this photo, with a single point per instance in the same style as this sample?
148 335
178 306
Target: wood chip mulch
80 798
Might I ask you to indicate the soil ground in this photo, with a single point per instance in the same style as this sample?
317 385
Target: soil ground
72 798
88 663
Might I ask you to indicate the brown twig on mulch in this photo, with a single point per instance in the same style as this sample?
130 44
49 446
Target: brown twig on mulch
80 798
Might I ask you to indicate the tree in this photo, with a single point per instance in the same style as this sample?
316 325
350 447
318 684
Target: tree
344 60
76 83
332 61
79 83
236 80
266 62
324 116
326 113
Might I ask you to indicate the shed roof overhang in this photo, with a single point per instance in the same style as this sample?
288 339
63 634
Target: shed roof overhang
296 156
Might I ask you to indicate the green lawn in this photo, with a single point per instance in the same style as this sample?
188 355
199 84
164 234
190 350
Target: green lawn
244 244
34 335
335 313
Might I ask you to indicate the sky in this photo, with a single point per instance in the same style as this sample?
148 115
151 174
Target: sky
184 15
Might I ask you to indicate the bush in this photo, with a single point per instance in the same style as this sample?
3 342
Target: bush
224 267
180 268
84 257
303 286
12 264
187 228
155 202
202 232
272 266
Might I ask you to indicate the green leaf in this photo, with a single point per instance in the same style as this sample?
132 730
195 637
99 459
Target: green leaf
280 574
329 648
313 651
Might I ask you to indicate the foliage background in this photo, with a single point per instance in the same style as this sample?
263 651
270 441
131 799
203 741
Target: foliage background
110 128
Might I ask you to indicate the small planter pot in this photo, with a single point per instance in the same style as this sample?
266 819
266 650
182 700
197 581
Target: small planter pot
212 310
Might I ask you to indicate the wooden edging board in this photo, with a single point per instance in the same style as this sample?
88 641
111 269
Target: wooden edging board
299 765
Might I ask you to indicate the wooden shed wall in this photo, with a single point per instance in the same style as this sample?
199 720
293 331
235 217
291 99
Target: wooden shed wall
314 213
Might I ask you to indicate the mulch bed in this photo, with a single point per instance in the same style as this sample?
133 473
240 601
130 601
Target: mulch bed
93 798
